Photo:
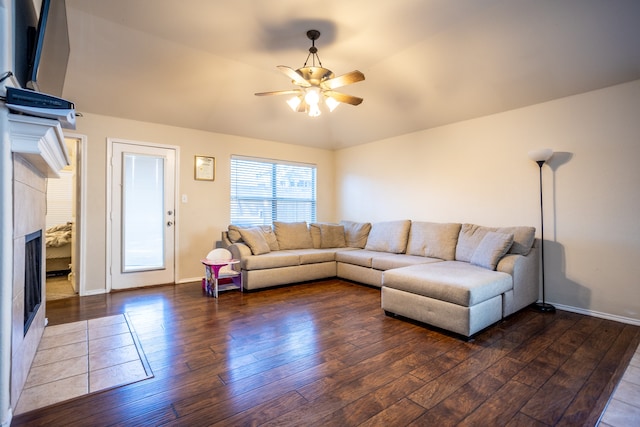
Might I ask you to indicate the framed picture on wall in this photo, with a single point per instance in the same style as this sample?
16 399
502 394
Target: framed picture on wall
205 168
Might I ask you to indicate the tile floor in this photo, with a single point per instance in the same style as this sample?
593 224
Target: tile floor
79 358
623 409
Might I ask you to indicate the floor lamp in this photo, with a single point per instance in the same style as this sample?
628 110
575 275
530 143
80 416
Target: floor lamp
540 157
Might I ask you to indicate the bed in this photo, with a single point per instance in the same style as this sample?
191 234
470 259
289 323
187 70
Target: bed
58 252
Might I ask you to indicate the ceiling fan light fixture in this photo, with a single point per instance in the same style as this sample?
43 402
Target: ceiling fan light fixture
314 110
332 104
316 85
294 103
312 95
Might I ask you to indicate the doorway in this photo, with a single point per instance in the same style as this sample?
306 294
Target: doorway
64 244
141 207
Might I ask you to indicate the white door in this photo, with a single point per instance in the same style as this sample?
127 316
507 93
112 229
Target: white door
142 215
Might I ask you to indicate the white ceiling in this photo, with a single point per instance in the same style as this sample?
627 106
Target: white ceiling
198 63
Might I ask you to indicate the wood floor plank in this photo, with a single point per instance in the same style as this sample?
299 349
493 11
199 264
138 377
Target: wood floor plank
501 407
370 405
323 353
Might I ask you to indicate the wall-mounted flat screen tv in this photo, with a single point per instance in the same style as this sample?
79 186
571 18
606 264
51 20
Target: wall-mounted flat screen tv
41 45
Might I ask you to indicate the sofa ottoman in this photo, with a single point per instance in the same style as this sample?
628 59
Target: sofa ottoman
452 295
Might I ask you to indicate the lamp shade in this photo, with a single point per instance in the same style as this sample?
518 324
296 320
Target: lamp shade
541 155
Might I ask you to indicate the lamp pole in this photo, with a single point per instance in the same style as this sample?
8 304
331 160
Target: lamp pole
542 306
540 157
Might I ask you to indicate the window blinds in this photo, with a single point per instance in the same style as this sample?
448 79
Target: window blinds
263 191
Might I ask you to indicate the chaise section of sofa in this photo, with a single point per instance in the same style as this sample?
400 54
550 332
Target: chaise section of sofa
493 275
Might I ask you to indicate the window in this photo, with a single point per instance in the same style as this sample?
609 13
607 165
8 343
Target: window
263 191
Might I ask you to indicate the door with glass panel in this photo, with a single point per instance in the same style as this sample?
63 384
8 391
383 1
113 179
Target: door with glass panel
142 215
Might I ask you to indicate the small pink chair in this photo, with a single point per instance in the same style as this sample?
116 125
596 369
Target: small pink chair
218 265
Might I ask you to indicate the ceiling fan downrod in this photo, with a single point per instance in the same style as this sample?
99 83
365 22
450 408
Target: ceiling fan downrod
313 35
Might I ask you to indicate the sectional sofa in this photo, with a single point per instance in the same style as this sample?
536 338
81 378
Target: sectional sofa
458 277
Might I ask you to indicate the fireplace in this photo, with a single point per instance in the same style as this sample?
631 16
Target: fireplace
38 152
32 277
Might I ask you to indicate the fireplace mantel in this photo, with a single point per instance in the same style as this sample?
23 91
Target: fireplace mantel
40 142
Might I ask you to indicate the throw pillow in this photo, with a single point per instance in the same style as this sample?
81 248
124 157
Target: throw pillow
316 238
332 236
433 240
254 238
468 240
270 236
389 236
234 234
293 235
491 249
356 233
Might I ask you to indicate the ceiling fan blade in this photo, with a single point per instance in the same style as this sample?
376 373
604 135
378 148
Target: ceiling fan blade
279 92
297 78
345 99
343 80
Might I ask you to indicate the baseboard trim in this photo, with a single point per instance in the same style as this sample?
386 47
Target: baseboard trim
189 280
94 292
598 314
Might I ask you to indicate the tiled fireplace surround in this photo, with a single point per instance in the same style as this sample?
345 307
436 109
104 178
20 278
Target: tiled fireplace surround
29 215
39 152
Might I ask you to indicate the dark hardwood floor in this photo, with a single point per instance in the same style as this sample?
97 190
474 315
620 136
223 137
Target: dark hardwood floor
324 354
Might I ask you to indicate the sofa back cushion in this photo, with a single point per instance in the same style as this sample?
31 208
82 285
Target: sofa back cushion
435 240
293 235
356 233
327 235
523 238
389 236
471 235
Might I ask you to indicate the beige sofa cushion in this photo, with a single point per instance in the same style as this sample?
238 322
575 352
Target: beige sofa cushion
387 261
270 236
271 260
471 235
293 235
491 249
326 235
255 239
332 236
234 235
436 240
314 230
523 238
451 281
356 233
362 258
389 236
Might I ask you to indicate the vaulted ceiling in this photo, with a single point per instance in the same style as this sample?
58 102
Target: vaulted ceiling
198 63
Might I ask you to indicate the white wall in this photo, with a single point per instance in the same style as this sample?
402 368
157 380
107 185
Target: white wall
477 171
206 215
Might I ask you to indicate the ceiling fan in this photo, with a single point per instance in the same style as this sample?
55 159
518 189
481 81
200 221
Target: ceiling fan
316 84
